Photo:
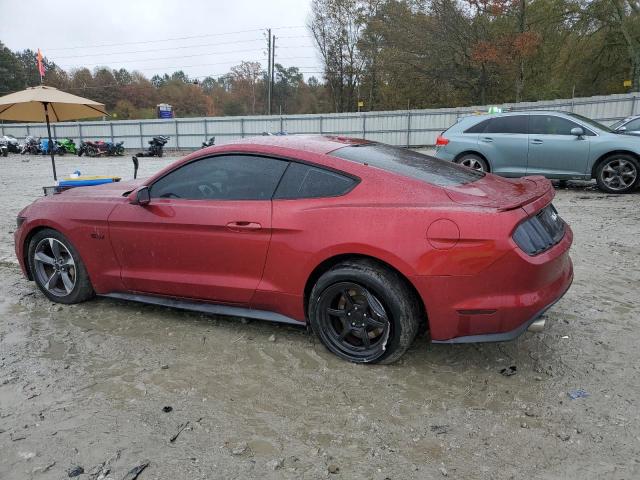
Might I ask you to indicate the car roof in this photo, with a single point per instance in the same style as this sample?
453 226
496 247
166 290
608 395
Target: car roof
519 112
321 144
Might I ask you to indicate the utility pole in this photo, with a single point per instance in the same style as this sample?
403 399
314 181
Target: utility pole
273 59
269 72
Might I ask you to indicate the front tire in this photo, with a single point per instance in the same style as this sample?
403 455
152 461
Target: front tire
58 269
364 312
618 173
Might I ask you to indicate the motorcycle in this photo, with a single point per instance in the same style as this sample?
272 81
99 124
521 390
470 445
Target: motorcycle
68 145
46 147
31 146
156 145
12 143
100 147
210 143
93 149
115 149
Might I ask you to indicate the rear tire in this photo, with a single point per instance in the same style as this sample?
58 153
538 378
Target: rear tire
618 173
364 312
473 161
57 268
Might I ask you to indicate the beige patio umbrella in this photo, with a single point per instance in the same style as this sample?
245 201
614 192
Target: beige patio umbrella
45 104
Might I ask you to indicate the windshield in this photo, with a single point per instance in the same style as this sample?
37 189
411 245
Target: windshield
618 123
590 122
409 163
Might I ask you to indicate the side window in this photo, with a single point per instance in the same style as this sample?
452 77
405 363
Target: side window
478 127
225 177
551 125
305 181
508 124
633 125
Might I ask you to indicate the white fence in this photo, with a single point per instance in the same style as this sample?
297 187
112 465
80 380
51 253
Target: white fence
400 127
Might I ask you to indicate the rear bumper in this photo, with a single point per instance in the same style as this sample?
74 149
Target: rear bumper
443 154
505 336
500 302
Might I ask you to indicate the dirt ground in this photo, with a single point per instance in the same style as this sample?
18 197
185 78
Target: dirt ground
85 385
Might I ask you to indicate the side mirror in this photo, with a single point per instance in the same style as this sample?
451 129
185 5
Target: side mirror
143 196
577 131
622 129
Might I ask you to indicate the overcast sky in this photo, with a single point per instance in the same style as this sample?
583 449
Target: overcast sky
149 35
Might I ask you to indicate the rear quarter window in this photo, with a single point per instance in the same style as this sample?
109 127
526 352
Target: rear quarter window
306 181
409 164
478 127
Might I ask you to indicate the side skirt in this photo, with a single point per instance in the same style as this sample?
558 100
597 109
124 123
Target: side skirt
210 308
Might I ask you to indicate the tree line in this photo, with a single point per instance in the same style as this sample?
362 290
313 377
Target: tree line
442 53
131 95
392 54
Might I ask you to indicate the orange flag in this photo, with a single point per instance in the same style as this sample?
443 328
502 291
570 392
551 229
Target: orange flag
40 64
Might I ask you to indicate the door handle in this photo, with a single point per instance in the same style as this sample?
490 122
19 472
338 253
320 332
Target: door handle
536 141
243 226
486 139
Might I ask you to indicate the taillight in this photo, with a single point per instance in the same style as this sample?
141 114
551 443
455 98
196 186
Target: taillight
541 232
441 141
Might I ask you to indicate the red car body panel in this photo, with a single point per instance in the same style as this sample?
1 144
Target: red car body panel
454 244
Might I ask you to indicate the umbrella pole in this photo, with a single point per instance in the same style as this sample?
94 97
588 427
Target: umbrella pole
53 161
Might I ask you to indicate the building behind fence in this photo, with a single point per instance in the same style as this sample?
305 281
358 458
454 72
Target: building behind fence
410 128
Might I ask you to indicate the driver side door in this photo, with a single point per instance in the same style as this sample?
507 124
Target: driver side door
205 233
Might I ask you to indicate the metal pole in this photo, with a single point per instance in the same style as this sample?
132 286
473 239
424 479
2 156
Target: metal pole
242 127
573 94
408 127
281 122
633 105
269 72
320 124
364 126
111 129
273 67
177 137
53 160
141 138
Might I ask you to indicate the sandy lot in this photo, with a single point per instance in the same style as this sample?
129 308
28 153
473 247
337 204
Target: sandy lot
85 385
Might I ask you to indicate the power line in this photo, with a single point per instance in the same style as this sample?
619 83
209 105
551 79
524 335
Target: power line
161 49
170 39
163 58
151 50
202 54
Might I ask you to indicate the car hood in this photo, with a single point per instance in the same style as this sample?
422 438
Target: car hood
108 190
501 193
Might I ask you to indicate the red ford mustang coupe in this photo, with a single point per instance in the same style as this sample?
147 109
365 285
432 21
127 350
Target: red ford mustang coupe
365 242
